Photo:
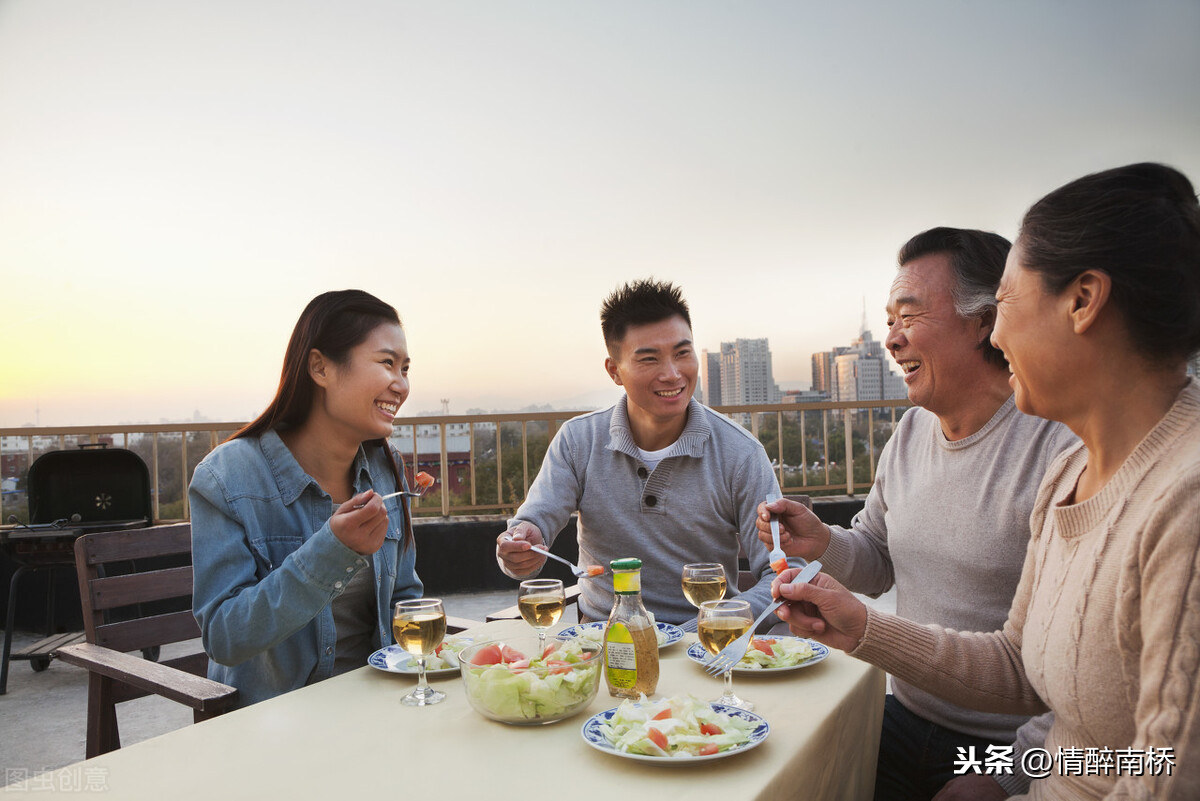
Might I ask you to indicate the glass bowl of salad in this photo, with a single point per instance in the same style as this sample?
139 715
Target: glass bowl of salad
512 681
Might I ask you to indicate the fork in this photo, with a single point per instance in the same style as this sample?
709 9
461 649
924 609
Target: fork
777 557
731 654
405 493
579 572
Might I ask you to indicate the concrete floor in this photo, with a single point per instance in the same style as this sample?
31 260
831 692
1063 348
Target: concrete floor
43 715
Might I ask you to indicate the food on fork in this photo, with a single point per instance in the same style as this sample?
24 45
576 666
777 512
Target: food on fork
423 480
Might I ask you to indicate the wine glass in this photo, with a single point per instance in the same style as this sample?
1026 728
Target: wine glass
541 602
703 581
720 623
419 626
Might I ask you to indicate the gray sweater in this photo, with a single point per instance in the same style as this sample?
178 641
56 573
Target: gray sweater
697 505
948 524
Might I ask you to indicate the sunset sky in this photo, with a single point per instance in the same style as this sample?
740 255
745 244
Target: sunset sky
178 179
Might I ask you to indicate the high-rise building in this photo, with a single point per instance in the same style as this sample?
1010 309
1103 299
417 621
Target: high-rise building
860 372
746 373
739 373
710 378
822 370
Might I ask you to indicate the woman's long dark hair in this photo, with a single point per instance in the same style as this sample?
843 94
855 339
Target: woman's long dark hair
332 323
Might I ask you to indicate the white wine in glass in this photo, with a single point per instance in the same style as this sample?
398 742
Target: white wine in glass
703 581
718 624
419 626
541 602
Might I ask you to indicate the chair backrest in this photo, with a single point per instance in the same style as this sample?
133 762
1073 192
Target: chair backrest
136 586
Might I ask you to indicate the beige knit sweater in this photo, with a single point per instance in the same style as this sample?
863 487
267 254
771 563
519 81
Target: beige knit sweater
1104 628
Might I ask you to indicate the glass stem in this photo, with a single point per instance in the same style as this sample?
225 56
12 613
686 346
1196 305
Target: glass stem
422 686
728 685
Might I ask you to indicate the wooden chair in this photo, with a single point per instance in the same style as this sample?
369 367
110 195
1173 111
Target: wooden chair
115 675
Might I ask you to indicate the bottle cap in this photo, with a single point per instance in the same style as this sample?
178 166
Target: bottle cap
627 563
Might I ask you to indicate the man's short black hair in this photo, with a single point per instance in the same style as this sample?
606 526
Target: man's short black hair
640 303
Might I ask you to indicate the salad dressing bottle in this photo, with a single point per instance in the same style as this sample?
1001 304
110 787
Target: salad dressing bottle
630 638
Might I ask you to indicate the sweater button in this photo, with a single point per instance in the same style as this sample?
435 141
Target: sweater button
651 500
642 472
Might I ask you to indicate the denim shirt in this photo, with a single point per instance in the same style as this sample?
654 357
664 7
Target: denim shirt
267 564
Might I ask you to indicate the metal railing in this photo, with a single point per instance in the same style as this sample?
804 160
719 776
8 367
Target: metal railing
485 463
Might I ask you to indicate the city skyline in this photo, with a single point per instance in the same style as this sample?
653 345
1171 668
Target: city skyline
781 389
177 180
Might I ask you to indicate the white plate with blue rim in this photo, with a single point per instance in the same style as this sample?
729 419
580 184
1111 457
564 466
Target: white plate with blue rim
593 735
394 659
697 653
667 634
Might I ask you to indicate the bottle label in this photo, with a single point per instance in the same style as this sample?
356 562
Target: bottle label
620 659
627 582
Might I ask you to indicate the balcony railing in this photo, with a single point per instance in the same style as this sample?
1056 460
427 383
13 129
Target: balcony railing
484 463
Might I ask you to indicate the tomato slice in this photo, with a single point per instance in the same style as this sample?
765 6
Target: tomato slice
508 654
706 750
488 655
666 713
657 737
711 729
558 666
764 647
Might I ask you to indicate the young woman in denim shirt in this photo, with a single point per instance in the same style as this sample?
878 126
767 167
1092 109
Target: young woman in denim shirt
298 561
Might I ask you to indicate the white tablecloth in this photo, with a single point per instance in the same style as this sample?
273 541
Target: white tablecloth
350 737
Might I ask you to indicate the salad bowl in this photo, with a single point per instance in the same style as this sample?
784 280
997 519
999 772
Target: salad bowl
513 681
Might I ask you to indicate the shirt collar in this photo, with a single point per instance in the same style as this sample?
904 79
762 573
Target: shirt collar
290 476
691 440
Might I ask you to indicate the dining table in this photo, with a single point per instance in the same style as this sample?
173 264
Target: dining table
351 737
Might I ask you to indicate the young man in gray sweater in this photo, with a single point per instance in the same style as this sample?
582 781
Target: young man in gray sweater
947 519
657 476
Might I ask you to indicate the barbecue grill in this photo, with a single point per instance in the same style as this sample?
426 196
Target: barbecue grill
71 493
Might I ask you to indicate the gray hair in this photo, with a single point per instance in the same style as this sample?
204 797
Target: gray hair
971 297
977 260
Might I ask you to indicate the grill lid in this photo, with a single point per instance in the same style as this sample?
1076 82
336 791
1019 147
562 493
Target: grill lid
89 485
